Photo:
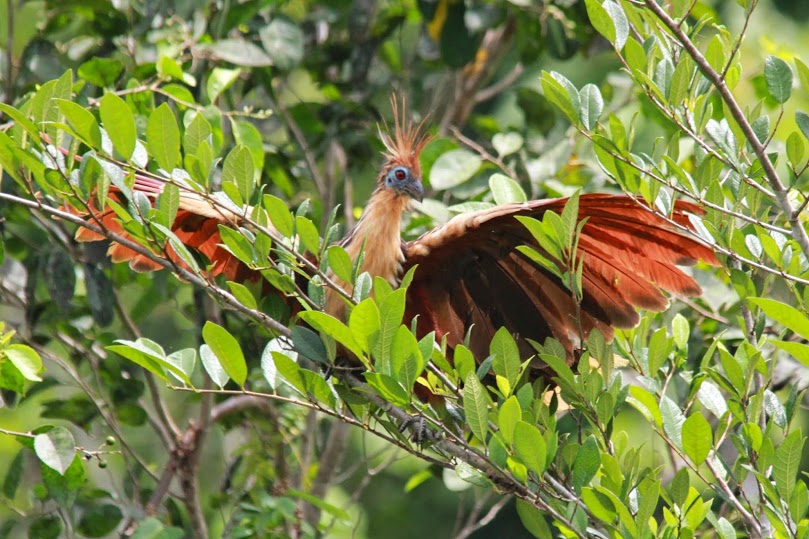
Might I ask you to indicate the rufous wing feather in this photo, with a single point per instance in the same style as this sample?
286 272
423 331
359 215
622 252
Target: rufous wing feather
470 273
196 226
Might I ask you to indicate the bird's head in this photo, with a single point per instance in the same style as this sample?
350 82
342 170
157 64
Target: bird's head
401 173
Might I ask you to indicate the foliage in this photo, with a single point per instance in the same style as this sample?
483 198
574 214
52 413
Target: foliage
688 426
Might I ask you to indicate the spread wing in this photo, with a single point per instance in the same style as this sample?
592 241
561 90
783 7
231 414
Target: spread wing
196 226
470 273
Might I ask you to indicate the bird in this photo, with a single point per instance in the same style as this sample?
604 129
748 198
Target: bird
471 275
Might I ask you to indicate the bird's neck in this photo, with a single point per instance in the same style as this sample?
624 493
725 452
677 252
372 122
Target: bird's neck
378 235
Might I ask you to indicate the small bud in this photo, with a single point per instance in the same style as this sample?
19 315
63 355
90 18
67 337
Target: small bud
102 464
110 440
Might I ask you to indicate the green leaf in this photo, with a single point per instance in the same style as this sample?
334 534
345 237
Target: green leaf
219 81
103 72
283 40
83 122
197 132
680 80
151 528
784 314
476 406
335 329
601 20
212 366
227 350
673 420
802 119
619 21
586 463
163 137
453 168
406 362
645 403
775 409
22 121
26 360
240 170
391 311
13 475
506 356
591 106
279 214
787 463
364 323
242 294
778 76
307 232
679 486
681 331
599 505
417 479
508 416
530 447
505 190
388 388
561 92
659 348
56 448
45 528
507 143
100 520
340 263
168 202
119 124
697 438
239 52
534 520
288 370
711 398
795 148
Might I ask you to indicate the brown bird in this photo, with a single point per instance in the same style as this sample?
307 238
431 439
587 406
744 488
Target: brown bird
470 272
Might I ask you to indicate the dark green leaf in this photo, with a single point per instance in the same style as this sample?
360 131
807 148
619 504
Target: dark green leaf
586 464
103 72
592 105
787 462
100 520
779 78
13 476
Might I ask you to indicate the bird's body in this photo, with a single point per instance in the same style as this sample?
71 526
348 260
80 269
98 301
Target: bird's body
471 274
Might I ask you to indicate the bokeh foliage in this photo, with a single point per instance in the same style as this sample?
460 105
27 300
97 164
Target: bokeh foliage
139 404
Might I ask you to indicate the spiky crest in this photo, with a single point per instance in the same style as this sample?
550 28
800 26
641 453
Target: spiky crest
404 145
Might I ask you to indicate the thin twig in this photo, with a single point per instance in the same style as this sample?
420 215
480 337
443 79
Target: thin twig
776 185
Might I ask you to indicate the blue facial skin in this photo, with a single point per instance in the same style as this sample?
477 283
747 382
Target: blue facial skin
400 179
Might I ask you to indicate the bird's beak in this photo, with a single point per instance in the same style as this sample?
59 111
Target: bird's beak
414 189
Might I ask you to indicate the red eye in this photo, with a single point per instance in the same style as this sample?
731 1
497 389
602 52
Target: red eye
400 174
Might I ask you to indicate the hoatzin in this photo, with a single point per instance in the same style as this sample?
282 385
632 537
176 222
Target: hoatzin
470 273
